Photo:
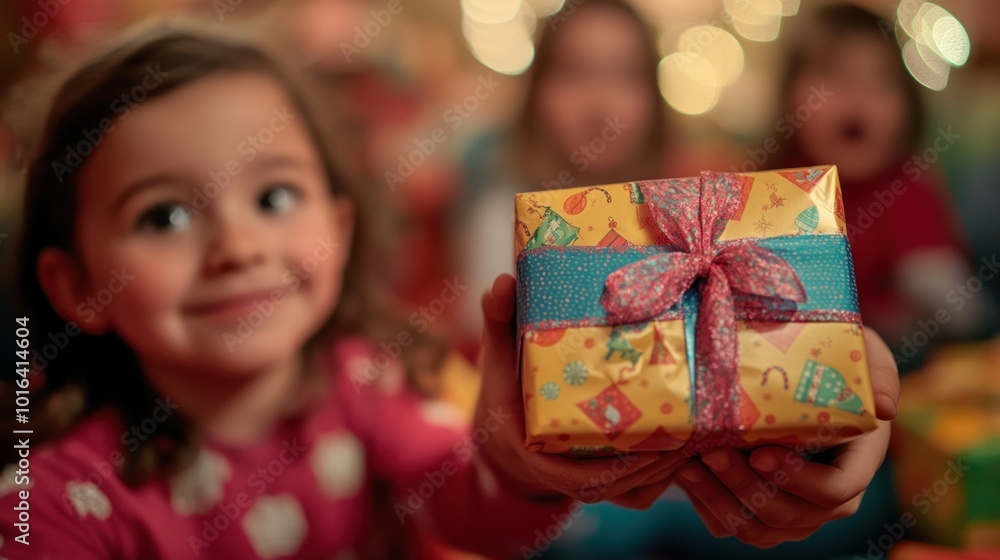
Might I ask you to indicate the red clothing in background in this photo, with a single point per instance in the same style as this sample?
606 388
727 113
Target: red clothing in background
889 217
303 492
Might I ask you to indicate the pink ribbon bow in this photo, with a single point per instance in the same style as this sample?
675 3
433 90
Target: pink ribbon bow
692 214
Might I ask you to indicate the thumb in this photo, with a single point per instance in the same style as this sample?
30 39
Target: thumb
499 359
884 375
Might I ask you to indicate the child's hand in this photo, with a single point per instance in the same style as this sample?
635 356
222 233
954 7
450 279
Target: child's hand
787 497
632 480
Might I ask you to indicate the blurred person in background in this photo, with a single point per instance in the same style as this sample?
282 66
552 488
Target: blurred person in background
909 254
592 115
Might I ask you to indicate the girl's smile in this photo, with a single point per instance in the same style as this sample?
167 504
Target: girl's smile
228 308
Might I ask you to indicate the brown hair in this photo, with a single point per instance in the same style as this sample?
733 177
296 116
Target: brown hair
835 24
542 67
103 367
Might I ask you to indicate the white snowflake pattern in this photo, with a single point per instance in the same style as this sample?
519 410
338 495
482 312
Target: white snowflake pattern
275 525
199 488
338 461
392 380
487 480
87 499
440 413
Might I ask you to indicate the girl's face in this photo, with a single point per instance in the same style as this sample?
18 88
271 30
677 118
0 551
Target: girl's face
206 234
596 95
859 121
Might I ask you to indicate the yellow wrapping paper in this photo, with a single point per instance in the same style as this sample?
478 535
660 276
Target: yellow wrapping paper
604 388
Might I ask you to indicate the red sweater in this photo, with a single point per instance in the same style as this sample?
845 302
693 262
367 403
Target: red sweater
304 492
889 217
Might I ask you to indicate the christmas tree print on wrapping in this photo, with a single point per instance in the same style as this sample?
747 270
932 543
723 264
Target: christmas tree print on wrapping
618 343
553 230
661 354
821 385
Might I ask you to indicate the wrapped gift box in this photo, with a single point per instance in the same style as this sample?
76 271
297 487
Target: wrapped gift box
690 313
946 443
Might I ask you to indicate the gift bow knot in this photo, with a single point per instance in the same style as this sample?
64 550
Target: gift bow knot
692 214
645 289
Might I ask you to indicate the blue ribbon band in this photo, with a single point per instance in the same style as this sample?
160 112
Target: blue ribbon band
562 286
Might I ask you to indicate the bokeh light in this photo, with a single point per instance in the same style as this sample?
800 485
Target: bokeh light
545 8
926 67
756 20
947 37
937 41
503 45
689 83
490 11
718 47
789 7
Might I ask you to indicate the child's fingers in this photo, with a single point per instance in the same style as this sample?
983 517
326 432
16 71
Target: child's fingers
712 523
884 375
665 469
829 485
712 499
643 497
594 479
715 499
645 481
763 498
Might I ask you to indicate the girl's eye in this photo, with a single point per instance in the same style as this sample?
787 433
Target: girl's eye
279 198
163 217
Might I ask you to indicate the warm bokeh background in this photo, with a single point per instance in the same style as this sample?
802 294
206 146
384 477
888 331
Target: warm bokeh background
393 78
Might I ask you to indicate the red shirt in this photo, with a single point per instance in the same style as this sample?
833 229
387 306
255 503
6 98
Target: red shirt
889 217
305 492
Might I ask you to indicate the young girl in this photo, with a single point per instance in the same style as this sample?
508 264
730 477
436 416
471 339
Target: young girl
204 262
215 259
868 120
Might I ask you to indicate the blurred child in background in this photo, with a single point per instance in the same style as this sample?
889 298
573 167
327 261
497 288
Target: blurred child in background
208 261
592 115
908 255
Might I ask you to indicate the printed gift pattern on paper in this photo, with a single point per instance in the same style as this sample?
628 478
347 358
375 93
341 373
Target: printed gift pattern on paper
651 314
